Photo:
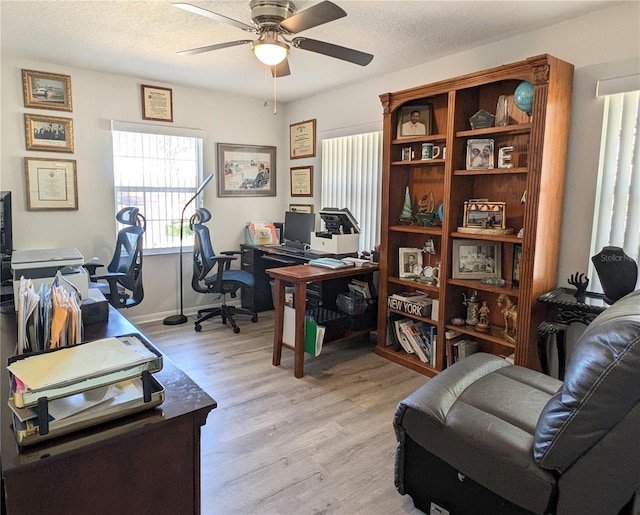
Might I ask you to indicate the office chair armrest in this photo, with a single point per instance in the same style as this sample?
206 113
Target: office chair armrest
115 298
91 267
225 258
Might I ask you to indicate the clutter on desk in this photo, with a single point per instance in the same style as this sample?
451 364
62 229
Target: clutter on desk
260 233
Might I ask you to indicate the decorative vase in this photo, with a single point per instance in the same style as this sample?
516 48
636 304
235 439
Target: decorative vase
406 216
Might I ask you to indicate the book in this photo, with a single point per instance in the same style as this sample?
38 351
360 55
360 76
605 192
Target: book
331 263
402 338
410 295
416 338
419 307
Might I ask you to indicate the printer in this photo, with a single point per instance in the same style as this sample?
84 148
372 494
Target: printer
341 234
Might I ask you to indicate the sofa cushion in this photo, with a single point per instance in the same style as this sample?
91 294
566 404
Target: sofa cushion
601 385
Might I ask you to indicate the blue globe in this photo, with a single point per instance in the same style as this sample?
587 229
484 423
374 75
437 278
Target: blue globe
523 96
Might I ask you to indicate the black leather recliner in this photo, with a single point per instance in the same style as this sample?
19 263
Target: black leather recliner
485 436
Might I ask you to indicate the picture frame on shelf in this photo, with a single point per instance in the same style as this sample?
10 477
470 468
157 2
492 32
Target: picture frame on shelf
246 170
48 133
414 120
301 208
476 259
485 215
51 184
410 262
517 258
480 154
43 90
302 139
301 180
157 103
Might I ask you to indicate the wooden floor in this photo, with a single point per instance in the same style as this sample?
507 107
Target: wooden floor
322 444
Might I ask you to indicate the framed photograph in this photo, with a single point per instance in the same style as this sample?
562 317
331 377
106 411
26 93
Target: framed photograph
51 184
302 139
301 208
517 256
414 121
157 103
480 155
46 90
410 263
302 181
48 133
475 259
484 215
246 170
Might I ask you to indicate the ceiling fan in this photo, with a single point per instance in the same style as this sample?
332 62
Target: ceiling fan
274 21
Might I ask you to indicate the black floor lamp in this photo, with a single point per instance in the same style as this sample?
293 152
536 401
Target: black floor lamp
181 318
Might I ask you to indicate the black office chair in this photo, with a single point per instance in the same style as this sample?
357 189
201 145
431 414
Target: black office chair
618 273
123 286
224 281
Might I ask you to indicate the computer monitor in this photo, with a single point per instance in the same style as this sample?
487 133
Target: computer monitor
6 225
298 228
339 221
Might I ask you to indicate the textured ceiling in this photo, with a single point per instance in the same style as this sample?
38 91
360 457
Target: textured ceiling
141 38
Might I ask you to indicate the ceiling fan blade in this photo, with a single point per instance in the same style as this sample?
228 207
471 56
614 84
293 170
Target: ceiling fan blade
315 15
209 48
280 70
337 51
214 16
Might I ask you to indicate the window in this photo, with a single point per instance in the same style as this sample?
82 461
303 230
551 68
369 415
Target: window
157 169
352 178
617 216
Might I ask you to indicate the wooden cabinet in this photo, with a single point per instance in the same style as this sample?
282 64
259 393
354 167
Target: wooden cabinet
531 189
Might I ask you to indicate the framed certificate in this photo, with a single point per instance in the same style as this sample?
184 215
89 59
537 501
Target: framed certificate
157 103
51 184
302 139
302 181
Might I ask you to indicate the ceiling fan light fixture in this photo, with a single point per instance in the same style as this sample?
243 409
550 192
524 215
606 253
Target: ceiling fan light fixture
271 51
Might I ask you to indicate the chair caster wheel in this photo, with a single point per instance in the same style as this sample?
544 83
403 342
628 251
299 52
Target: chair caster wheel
198 328
236 330
254 319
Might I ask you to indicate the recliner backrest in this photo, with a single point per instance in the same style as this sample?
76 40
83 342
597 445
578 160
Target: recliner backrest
601 385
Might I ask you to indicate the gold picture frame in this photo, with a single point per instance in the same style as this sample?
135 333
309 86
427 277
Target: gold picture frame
44 90
301 180
301 208
48 133
51 184
157 103
302 139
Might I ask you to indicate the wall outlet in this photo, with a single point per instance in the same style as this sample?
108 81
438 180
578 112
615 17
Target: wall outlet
434 509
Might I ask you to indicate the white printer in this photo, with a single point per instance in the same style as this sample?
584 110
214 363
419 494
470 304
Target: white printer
341 234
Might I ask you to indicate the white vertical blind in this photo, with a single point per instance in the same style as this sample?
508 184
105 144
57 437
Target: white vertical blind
352 178
617 215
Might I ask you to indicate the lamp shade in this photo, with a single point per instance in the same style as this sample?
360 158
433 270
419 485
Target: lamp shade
270 52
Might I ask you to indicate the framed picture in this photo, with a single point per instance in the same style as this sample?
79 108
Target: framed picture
475 259
51 184
46 90
48 133
157 103
302 181
301 208
414 121
485 215
480 154
410 262
517 256
246 170
302 139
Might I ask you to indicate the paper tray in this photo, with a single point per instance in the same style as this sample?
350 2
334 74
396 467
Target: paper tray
28 432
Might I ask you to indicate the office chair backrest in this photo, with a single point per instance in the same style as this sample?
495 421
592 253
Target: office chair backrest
127 256
618 273
203 253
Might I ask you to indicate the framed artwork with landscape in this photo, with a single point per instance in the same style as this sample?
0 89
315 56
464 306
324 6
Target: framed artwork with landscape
44 90
246 170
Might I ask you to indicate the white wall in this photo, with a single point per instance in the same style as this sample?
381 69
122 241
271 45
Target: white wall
600 45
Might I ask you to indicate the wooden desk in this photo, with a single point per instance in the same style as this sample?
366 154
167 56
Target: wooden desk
148 462
300 276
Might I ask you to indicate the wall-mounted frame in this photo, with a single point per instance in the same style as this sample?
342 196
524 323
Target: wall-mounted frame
480 154
49 133
246 170
485 215
301 180
44 90
414 120
157 103
302 139
410 262
475 259
301 208
517 258
51 184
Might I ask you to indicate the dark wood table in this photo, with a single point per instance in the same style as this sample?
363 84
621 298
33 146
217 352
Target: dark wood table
300 276
148 462
563 309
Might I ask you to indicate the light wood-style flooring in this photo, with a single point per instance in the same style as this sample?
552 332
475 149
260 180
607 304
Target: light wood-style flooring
323 444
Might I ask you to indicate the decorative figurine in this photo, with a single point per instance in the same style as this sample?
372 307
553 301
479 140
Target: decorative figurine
426 214
483 312
510 313
504 157
406 216
580 281
473 304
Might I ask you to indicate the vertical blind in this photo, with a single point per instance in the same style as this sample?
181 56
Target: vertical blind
617 215
352 178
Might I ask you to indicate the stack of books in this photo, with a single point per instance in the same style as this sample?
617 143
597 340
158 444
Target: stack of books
413 337
413 303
